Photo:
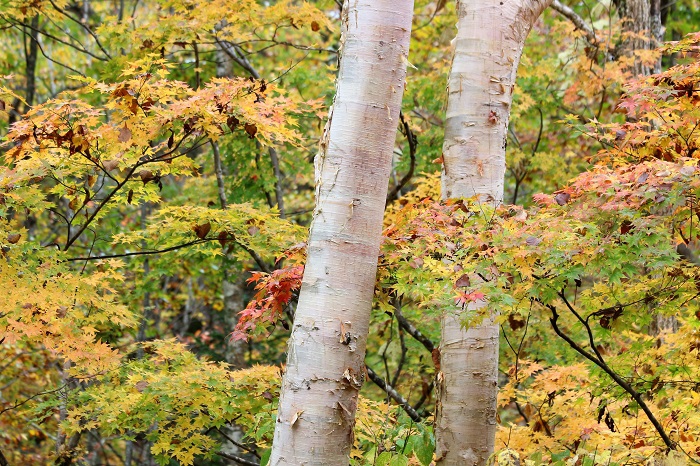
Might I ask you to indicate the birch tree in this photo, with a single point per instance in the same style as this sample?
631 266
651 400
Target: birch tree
325 362
490 39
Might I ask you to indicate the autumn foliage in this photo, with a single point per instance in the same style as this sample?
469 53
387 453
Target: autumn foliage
138 186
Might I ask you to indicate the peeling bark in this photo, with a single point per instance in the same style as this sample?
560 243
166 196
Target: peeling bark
490 38
325 361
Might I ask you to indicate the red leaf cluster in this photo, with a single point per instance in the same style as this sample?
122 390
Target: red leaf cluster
274 292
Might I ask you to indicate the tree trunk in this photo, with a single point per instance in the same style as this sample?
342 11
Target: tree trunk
325 361
637 26
656 29
490 38
644 29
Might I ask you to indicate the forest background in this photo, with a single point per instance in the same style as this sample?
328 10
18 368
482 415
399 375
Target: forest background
158 179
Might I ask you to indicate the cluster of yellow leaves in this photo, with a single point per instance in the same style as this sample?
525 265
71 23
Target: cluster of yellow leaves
175 399
153 122
6 98
26 371
182 25
59 307
572 408
172 396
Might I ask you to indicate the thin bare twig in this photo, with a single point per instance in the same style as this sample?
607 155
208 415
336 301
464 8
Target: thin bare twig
237 459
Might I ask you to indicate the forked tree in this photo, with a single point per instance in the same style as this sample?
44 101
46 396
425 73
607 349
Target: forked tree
490 39
325 360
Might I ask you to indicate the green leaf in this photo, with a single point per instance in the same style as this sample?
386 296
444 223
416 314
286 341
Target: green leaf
383 459
265 457
423 448
399 460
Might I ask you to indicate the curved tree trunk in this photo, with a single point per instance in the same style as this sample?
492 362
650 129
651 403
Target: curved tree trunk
490 38
325 361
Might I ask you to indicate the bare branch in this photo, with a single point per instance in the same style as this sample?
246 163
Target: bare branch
237 459
579 22
412 145
414 332
141 253
234 53
84 26
238 444
396 396
278 181
219 171
636 396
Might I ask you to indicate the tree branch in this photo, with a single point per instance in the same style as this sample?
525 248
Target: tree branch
391 391
234 53
585 325
402 359
413 331
412 145
41 49
219 171
426 393
237 459
579 22
141 253
30 61
636 396
17 405
238 444
84 26
278 181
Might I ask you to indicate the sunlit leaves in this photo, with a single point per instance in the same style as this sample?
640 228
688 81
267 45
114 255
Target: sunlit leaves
174 399
61 308
663 113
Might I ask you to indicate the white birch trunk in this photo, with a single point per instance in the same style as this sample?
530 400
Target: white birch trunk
490 38
325 361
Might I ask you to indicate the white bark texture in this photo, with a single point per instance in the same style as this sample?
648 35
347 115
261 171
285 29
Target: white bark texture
325 360
490 38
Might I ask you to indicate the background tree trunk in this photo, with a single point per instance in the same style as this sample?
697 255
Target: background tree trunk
644 28
490 38
325 361
637 25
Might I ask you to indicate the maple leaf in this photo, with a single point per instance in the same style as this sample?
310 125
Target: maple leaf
464 298
275 291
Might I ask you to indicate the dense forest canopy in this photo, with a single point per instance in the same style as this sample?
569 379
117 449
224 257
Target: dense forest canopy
163 165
